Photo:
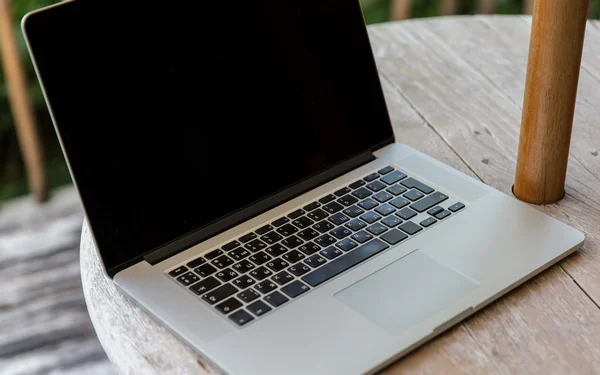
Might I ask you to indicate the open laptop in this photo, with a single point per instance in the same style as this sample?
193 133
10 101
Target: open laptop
240 175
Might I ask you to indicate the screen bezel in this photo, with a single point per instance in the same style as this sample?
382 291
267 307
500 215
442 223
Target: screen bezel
179 244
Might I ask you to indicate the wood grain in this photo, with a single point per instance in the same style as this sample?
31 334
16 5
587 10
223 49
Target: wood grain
454 87
550 94
400 9
22 110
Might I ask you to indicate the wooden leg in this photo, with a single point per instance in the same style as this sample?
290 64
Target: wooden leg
528 6
486 6
21 107
449 7
550 93
401 9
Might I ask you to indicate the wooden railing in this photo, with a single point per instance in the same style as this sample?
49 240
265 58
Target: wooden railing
401 8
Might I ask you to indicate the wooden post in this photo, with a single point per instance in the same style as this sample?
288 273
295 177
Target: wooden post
21 107
550 93
528 6
449 7
401 9
486 6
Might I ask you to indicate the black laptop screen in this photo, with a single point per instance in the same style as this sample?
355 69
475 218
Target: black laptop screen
176 114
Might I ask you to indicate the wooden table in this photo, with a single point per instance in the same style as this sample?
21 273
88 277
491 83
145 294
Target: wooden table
454 87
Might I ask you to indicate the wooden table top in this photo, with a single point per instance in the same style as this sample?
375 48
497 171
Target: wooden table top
454 88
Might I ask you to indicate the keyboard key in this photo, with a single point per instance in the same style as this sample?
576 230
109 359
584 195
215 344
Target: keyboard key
276 250
260 258
362 236
213 254
219 294
376 186
434 211
296 214
255 245
371 177
399 202
276 299
230 246
248 237
293 256
227 275
222 262
315 261
343 191
362 193
324 226
339 218
309 248
292 242
340 232
259 308
385 210
428 222
263 230
456 207
346 244
396 189
205 270
308 234
271 238
277 265
325 240
228 306
331 252
383 196
393 177
282 278
299 269
266 286
295 289
367 204
410 228
205 285
243 266
425 204
244 282
351 259
318 215
391 221
178 271
279 222
333 207
353 211
442 215
188 278
356 224
347 200
196 262
406 213
357 184
377 229
260 273
287 230
394 236
370 217
327 199
385 170
411 183
248 295
312 206
414 195
240 317
303 222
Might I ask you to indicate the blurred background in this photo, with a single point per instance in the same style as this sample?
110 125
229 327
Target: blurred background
44 326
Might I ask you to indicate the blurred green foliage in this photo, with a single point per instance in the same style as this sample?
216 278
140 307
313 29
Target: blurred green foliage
13 180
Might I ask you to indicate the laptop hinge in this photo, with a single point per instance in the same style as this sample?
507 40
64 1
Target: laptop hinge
191 239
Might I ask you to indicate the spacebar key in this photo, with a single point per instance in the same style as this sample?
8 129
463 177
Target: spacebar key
345 262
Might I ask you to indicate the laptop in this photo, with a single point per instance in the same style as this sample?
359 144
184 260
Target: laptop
243 184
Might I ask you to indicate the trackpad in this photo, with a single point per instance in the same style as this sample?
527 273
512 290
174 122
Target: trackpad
406 292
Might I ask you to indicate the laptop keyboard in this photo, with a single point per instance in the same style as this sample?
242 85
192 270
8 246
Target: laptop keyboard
276 263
